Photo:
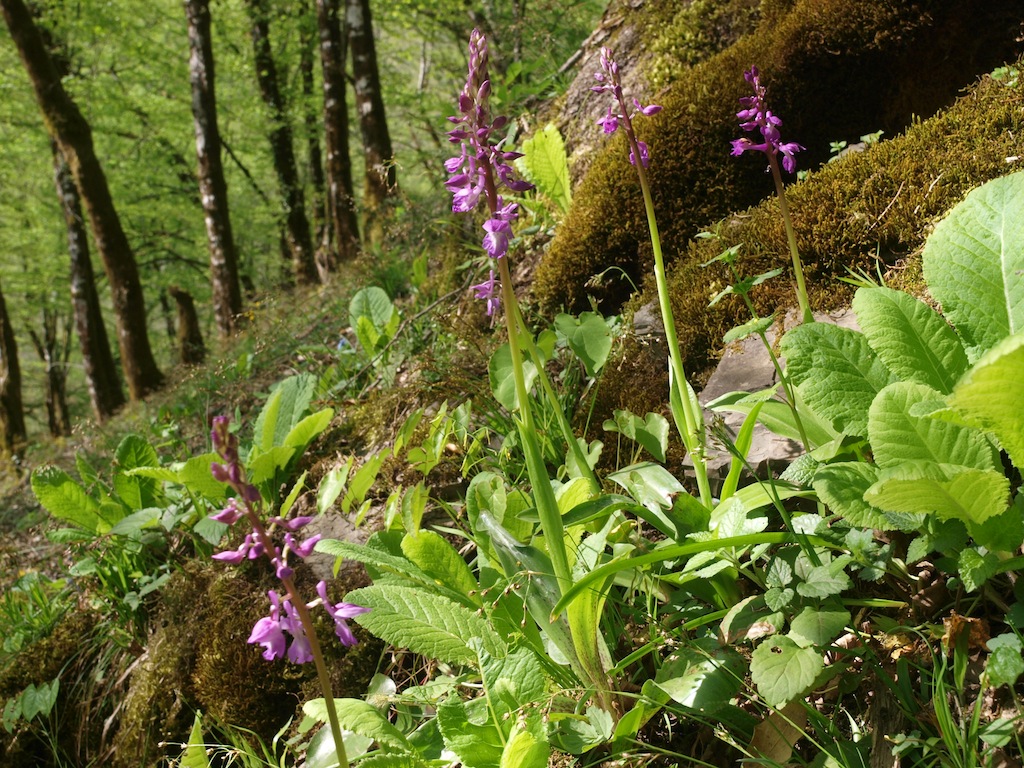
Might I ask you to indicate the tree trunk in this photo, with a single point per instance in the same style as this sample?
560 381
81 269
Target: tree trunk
73 135
54 352
190 338
12 414
297 225
105 393
227 295
340 195
326 259
377 152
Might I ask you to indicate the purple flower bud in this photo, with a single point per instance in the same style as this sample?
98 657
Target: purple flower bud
304 548
755 115
230 514
219 472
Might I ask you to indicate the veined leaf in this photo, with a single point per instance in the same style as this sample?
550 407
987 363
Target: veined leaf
782 670
66 500
303 433
842 487
991 396
439 560
362 718
950 491
973 263
912 339
428 624
546 165
195 752
589 337
836 373
897 436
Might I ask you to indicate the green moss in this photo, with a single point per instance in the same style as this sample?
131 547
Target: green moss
833 68
867 211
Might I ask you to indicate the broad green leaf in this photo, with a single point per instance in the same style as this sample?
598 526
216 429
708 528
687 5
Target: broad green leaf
134 524
589 337
195 752
377 558
842 487
392 761
361 717
782 670
39 699
817 626
303 433
991 395
750 619
897 436
502 378
524 750
650 484
975 568
195 474
66 500
651 431
913 340
702 675
1005 663
577 734
285 407
836 373
477 744
428 624
973 263
374 304
824 581
331 486
439 560
544 163
516 679
777 416
136 491
950 491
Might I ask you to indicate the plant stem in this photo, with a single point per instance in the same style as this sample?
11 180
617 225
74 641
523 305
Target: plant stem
549 392
798 269
693 438
323 677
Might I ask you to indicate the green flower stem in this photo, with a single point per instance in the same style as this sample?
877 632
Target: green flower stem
323 677
552 398
588 658
693 439
798 269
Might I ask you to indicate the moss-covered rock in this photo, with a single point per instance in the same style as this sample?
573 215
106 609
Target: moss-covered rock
198 658
834 69
868 210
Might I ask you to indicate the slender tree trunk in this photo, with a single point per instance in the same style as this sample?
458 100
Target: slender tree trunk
12 413
105 393
297 225
190 338
340 191
377 152
227 295
73 135
326 259
54 352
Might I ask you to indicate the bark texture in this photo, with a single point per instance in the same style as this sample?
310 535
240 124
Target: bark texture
190 337
12 414
300 242
340 191
72 132
227 295
380 166
326 258
105 392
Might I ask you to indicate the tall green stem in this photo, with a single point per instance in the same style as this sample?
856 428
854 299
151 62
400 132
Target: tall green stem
798 269
693 438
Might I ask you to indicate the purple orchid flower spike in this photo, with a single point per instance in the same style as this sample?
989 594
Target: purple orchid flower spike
482 165
755 116
618 113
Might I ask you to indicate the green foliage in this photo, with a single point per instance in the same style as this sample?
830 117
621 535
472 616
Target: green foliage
544 163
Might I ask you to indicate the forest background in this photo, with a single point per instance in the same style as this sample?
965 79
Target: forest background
126 66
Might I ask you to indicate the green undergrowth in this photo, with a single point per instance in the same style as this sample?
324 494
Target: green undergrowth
869 211
880 56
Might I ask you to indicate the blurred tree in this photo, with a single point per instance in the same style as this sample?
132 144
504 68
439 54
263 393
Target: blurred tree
340 192
54 349
381 178
300 242
227 295
72 132
12 414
